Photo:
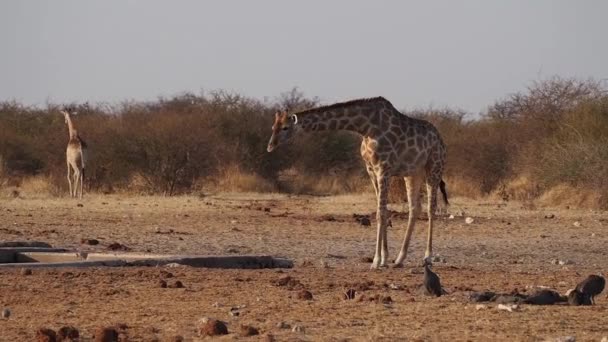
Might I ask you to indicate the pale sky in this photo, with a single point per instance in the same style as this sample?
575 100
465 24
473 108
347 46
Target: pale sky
462 54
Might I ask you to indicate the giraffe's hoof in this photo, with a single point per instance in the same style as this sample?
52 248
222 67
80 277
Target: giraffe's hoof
397 265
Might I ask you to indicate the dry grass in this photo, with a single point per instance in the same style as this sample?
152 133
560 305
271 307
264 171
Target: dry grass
567 195
233 179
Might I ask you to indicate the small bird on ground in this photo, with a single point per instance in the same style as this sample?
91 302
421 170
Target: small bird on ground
432 284
592 286
543 297
576 298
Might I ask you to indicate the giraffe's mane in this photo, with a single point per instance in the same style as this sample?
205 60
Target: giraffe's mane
356 102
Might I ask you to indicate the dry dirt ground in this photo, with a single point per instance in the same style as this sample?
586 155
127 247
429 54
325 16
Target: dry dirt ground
507 247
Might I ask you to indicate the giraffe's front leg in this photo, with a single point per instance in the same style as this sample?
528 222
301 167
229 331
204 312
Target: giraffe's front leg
381 254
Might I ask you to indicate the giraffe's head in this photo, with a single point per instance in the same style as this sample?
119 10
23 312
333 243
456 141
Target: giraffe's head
284 128
67 111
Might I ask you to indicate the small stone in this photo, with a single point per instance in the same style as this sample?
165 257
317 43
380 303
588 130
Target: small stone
480 307
550 216
46 335
566 339
386 300
593 235
542 236
106 334
176 285
565 262
298 329
162 284
554 261
26 271
304 295
451 217
469 220
248 330
508 307
212 327
283 325
80 205
577 224
233 221
68 333
90 242
324 264
6 313
234 312
604 339
216 305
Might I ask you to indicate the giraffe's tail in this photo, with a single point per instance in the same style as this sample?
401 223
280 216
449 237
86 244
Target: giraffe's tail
443 192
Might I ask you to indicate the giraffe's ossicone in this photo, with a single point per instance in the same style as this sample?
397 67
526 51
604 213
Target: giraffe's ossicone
393 144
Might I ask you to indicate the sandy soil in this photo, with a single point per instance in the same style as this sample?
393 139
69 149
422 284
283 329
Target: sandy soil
507 247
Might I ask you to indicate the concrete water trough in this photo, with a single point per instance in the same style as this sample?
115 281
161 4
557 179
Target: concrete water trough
31 257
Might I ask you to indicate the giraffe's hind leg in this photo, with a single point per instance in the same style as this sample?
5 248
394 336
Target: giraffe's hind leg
412 184
70 179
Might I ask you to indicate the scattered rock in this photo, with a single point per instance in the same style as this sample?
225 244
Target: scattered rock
550 216
176 285
212 327
248 330
283 325
46 335
554 261
106 334
90 242
451 217
437 258
577 224
298 329
287 281
469 220
565 262
565 339
80 205
324 264
234 312
394 286
508 307
480 307
166 274
162 284
543 236
349 294
6 313
68 333
386 300
118 247
363 220
304 295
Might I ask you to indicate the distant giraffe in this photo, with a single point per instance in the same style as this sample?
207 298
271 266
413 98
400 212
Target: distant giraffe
76 156
393 145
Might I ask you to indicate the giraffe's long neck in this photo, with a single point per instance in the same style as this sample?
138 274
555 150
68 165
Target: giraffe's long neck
71 129
349 118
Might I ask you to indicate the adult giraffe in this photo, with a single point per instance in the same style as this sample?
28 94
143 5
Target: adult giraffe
76 156
393 145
